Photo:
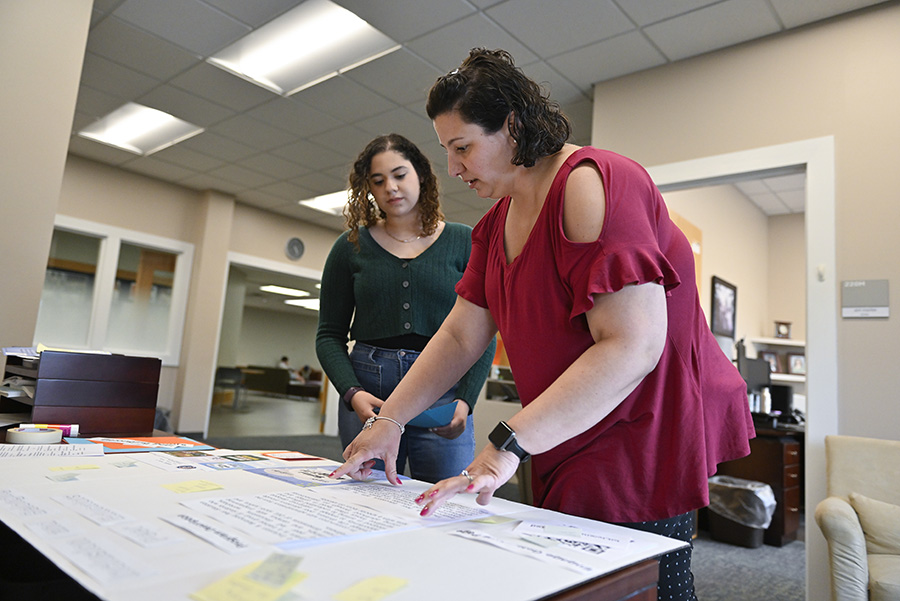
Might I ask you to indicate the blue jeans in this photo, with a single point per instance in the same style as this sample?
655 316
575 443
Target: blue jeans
431 457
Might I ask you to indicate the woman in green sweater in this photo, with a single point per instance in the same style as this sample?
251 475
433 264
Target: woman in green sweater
388 284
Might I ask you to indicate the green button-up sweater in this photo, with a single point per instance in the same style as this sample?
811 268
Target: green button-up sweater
371 294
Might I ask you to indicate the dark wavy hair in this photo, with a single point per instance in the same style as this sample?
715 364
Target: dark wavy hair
361 208
490 91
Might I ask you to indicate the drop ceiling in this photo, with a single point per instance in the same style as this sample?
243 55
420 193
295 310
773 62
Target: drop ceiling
270 151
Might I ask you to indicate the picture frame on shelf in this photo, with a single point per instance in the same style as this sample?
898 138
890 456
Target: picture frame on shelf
772 359
724 308
796 364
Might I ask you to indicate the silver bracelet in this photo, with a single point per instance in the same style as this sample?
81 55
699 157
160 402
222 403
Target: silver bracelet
371 421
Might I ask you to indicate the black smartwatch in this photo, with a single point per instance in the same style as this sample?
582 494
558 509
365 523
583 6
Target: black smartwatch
504 439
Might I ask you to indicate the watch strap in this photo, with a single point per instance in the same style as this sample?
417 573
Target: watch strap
349 395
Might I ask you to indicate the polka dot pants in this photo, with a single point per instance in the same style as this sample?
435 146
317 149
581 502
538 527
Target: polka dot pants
676 582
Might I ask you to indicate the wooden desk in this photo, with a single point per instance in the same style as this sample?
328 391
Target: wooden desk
776 458
434 563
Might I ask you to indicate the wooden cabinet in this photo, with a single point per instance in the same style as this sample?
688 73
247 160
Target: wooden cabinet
776 459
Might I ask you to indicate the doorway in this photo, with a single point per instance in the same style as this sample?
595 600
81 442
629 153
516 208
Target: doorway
816 158
270 312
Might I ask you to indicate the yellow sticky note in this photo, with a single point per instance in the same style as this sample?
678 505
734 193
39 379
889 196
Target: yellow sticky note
192 486
493 519
69 468
371 589
240 586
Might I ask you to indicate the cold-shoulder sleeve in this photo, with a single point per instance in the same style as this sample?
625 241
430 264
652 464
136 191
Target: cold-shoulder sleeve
633 243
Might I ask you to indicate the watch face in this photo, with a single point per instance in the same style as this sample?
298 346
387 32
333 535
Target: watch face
500 435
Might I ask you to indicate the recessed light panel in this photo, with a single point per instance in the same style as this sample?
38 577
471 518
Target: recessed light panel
139 129
332 204
308 44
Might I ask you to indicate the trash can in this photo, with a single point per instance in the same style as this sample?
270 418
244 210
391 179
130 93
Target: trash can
739 510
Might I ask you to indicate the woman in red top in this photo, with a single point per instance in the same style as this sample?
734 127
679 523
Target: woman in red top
628 402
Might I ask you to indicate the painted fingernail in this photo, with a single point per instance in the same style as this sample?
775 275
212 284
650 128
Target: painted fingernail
424 512
433 493
420 498
470 488
331 475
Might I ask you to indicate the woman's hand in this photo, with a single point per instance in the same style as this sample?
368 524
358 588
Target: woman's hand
457 425
365 404
381 441
490 470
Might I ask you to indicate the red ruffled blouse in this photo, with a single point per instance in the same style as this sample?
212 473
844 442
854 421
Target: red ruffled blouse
650 458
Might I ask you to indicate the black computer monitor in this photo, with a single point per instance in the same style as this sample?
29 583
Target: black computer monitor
756 373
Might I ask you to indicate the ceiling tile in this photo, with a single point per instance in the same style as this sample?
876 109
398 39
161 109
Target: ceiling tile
447 47
319 182
310 156
541 23
221 87
191 24
644 13
400 76
621 55
407 19
153 167
795 200
179 154
294 116
794 181
344 99
255 13
560 89
714 27
253 133
95 103
247 178
402 121
219 147
346 141
794 14
287 191
204 181
117 41
275 166
185 105
107 76
98 152
769 204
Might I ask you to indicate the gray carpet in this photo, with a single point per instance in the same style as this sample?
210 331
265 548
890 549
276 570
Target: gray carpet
722 572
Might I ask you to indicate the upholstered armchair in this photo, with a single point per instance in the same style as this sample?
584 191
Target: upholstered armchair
861 518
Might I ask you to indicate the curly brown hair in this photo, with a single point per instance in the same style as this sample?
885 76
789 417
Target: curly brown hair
361 208
490 91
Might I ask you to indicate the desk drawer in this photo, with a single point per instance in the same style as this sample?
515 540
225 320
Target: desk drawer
791 476
791 452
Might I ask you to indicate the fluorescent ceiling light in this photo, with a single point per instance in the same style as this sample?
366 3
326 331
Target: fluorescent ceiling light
282 290
308 44
329 203
307 303
139 129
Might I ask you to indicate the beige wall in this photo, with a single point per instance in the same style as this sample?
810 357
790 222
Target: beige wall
735 236
41 46
840 78
216 225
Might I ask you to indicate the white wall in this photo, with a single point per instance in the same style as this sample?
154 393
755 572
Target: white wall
267 335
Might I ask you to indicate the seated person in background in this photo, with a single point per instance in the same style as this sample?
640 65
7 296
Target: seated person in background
295 375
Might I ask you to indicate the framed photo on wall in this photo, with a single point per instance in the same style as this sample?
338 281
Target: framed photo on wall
724 307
